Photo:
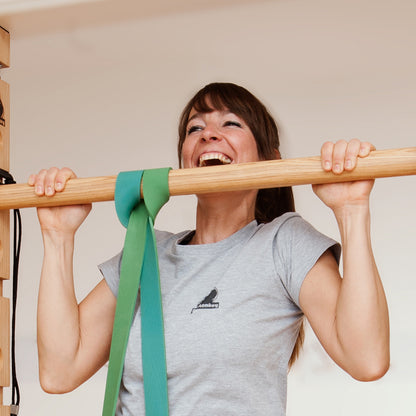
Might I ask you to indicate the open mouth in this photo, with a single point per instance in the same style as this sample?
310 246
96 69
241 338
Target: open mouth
213 159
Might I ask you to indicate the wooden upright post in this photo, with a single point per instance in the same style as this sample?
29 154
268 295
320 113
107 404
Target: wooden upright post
4 225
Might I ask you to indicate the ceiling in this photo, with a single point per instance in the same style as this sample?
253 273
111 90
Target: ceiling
23 18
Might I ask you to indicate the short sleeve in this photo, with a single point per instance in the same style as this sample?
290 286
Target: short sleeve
297 247
110 270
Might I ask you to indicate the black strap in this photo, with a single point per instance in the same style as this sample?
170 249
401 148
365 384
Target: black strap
6 178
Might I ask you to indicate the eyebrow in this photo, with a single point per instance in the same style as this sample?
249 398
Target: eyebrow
196 115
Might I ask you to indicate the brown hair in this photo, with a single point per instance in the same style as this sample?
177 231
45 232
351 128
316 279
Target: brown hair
270 203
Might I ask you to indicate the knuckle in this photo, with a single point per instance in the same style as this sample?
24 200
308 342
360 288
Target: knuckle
31 179
327 148
366 148
52 170
327 145
367 145
50 175
39 178
341 143
67 172
353 147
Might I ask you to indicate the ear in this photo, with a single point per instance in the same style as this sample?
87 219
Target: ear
277 154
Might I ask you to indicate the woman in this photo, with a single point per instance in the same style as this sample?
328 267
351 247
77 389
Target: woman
234 290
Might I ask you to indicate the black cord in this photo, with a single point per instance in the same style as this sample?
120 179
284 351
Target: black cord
17 241
5 179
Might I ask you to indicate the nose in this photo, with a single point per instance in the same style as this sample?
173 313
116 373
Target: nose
209 138
210 133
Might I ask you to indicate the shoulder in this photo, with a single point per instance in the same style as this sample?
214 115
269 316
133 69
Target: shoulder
297 246
166 239
292 229
282 224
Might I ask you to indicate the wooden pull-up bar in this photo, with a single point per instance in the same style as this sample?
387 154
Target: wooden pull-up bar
255 175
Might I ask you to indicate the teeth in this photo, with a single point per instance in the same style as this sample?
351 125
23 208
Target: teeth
205 159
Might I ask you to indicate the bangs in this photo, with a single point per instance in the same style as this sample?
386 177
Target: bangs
224 96
212 101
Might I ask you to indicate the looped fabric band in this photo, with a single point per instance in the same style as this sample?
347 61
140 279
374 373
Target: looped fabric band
140 275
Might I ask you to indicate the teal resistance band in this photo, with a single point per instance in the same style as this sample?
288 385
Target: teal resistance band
139 269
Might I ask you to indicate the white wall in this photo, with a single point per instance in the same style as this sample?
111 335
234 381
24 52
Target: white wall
106 99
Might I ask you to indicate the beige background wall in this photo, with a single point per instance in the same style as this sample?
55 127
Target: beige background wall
102 98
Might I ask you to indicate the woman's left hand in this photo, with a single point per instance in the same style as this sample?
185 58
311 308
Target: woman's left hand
339 157
349 314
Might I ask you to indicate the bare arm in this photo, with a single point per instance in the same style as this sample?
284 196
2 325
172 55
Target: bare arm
349 315
73 340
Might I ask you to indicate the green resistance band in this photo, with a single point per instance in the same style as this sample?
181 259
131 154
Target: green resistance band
140 270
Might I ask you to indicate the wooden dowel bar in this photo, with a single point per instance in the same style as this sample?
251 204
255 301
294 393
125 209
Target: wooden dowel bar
289 172
255 175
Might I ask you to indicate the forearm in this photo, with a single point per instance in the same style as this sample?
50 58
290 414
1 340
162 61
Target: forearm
362 323
58 315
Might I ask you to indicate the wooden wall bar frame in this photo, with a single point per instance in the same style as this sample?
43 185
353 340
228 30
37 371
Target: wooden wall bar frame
4 225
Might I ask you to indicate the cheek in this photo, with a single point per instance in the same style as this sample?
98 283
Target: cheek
251 149
186 155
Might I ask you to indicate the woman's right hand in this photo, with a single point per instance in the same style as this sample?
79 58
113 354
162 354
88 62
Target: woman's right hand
68 354
66 219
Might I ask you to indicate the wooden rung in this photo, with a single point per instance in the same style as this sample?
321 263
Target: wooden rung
4 48
255 175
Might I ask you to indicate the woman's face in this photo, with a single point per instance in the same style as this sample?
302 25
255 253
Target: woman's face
217 138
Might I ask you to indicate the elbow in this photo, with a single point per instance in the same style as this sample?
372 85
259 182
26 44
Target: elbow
372 371
53 383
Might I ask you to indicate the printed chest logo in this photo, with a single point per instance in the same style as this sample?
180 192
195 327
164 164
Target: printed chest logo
208 301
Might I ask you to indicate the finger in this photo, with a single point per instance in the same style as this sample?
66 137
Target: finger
39 182
49 182
338 156
326 156
62 178
365 149
351 154
32 179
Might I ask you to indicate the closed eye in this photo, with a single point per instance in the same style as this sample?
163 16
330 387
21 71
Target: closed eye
232 123
193 129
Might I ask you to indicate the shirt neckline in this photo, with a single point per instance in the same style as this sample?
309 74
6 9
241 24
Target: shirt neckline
238 236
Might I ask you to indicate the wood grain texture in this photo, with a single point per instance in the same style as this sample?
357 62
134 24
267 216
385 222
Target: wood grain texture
4 225
4 48
255 175
4 164
4 410
4 342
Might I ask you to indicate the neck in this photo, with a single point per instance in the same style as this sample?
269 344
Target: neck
221 215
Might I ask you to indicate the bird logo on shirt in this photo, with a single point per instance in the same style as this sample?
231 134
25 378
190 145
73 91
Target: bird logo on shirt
208 301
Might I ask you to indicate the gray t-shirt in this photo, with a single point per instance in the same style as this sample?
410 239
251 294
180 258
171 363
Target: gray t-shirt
231 312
